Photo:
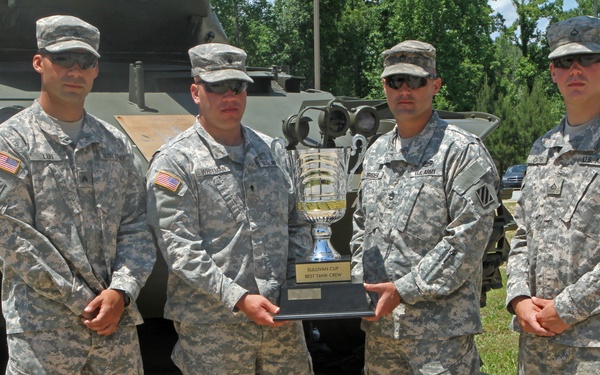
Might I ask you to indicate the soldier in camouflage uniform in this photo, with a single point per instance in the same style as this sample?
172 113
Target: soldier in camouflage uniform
228 230
554 265
425 212
74 243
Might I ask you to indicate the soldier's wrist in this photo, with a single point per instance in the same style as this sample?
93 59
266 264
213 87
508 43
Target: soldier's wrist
126 297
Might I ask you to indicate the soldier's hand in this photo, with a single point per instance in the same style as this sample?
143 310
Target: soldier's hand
389 299
89 315
259 309
109 305
548 317
526 312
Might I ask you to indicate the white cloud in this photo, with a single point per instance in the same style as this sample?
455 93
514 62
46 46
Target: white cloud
506 8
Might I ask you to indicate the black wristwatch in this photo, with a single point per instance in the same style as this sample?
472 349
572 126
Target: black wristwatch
126 297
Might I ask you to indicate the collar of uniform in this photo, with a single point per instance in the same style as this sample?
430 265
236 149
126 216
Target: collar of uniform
88 134
416 150
48 126
587 141
216 149
254 143
91 134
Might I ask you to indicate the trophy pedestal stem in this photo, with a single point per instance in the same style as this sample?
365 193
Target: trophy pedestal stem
323 251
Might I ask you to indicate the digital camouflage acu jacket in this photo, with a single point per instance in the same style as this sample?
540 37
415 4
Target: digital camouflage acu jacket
72 221
555 253
222 236
423 221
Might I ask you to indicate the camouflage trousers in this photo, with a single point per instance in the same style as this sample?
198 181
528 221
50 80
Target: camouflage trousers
540 355
245 348
451 356
74 350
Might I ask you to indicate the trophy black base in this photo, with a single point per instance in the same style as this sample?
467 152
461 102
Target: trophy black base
335 300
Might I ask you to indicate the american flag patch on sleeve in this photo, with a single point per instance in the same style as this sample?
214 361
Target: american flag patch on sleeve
8 163
167 181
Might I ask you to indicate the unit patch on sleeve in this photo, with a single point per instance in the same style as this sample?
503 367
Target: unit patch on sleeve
8 163
485 196
167 181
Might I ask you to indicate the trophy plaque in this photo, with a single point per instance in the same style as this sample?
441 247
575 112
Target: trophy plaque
323 287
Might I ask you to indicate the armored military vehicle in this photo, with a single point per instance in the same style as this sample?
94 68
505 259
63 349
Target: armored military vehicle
143 90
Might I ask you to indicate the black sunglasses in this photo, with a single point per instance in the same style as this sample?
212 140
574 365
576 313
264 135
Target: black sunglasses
68 59
584 60
222 87
396 81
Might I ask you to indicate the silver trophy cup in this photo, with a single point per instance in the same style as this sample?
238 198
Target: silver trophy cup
320 179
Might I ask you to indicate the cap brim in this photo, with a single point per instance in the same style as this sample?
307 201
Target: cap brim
224 75
403 68
574 49
71 45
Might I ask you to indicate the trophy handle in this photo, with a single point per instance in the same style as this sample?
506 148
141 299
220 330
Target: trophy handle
361 156
280 155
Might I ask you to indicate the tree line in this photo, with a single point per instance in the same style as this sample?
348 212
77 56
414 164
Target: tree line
485 64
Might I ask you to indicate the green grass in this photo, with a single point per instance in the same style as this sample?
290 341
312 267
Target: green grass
498 345
510 205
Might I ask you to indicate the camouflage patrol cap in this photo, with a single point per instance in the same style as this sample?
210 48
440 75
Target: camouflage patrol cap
577 35
410 57
214 62
67 33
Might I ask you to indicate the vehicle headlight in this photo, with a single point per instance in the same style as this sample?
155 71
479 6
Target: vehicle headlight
364 120
335 121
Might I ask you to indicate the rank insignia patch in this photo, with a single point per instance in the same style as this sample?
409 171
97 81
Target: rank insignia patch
167 181
8 163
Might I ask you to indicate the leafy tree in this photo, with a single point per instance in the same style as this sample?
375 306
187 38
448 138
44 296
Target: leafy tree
250 25
583 8
346 28
507 75
529 13
525 35
348 47
459 30
293 37
525 118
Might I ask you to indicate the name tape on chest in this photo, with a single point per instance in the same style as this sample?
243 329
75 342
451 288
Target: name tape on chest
426 172
591 160
167 181
112 156
212 171
537 159
372 175
46 156
8 163
266 163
